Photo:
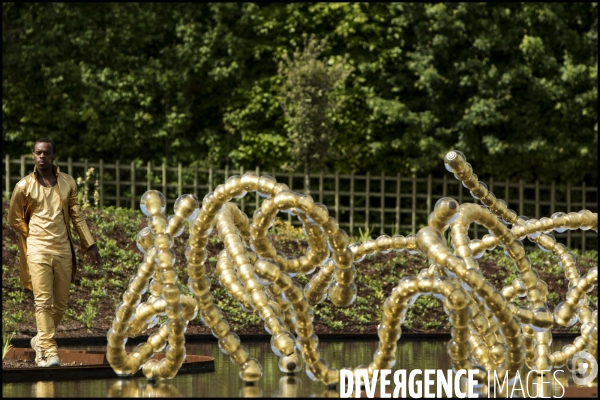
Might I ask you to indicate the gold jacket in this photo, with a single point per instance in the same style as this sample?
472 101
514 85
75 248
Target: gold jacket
21 208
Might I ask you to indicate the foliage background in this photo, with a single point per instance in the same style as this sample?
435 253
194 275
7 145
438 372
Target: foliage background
512 85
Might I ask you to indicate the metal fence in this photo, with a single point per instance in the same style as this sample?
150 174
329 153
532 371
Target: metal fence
380 202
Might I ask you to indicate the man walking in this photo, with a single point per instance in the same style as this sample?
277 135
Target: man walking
41 206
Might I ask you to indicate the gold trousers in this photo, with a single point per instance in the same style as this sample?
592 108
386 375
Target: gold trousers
51 279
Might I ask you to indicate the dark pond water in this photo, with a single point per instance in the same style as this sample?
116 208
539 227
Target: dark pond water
224 382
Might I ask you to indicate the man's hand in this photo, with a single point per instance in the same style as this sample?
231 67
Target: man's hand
93 256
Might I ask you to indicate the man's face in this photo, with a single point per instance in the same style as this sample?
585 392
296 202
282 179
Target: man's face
43 155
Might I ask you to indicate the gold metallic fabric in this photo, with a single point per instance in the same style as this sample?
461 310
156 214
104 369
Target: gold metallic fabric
47 228
22 207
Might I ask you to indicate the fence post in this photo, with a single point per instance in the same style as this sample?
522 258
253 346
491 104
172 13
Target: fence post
69 166
7 173
398 202
85 170
226 173
256 193
568 210
414 205
491 188
429 194
367 200
133 185
210 178
101 182
179 180
148 175
537 199
445 186
337 196
506 193
321 187
243 197
23 169
196 180
382 194
351 203
290 182
583 194
552 198
118 176
164 180
521 194
460 193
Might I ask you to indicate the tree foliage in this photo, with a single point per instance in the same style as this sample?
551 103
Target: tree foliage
512 85
309 100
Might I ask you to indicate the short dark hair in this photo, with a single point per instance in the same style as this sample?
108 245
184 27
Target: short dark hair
45 140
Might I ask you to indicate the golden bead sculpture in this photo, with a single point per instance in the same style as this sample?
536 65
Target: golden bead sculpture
489 330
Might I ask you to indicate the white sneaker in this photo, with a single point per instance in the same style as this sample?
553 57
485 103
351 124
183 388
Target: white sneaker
52 361
39 352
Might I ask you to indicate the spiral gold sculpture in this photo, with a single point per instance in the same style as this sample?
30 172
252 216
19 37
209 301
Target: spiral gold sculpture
489 332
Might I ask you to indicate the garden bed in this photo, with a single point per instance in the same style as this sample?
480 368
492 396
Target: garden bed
95 294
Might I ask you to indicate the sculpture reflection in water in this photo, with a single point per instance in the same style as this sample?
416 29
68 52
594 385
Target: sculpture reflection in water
134 388
489 330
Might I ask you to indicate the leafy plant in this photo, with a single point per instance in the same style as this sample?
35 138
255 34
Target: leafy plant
89 314
17 295
432 324
336 325
365 235
83 190
69 314
285 228
303 279
6 339
553 298
16 316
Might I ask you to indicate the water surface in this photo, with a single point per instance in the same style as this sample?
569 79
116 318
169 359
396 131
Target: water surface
224 381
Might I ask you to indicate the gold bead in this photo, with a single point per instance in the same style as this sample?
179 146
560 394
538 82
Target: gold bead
250 371
153 202
342 295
